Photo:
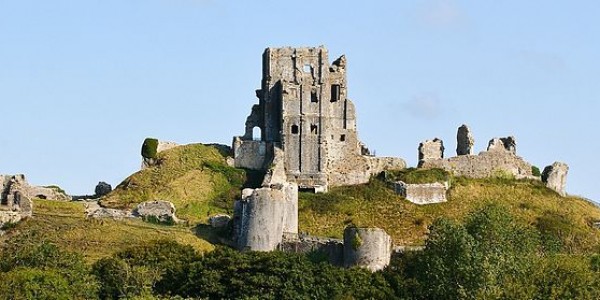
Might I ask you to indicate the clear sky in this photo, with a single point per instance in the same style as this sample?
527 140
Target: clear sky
83 82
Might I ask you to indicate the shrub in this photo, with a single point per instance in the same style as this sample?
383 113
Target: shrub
536 171
417 176
150 148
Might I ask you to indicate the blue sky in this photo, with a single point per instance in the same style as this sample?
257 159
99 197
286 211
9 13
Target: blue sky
82 83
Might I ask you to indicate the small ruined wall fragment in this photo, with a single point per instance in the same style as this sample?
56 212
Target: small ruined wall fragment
555 177
425 193
508 144
369 248
333 249
250 154
14 203
464 141
430 150
17 183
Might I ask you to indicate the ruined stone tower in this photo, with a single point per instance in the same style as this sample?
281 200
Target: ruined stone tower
303 109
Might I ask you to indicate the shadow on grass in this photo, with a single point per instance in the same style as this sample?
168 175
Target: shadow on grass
215 236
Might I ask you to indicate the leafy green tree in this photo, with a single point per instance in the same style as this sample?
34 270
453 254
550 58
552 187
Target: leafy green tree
45 261
33 283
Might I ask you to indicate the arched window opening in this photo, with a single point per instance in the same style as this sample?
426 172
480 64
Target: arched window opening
256 133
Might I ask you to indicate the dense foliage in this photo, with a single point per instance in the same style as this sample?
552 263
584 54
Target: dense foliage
489 256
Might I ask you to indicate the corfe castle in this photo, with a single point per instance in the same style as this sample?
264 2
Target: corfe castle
308 140
302 135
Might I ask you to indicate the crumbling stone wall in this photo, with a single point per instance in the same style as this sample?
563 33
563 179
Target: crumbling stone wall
250 154
508 144
486 164
431 149
464 141
333 249
9 184
304 110
15 204
500 159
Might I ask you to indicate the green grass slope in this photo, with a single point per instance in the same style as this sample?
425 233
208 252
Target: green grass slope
566 221
65 224
195 178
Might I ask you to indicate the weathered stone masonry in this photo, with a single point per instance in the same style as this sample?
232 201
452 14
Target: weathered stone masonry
303 109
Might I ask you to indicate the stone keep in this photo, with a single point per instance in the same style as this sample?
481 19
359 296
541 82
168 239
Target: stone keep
464 141
555 177
304 110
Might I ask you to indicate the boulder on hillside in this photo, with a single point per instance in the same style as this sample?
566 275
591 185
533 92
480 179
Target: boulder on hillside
102 188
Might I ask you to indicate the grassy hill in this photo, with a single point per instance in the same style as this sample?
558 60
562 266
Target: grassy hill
65 224
568 219
195 178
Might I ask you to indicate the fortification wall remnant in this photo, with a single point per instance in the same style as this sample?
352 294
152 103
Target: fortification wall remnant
508 144
264 215
555 177
431 149
369 248
500 159
464 141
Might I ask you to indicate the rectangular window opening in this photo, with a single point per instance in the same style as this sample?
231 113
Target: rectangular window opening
294 129
307 68
335 92
313 96
342 138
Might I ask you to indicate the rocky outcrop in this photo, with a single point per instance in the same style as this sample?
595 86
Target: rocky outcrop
160 211
464 141
424 193
102 188
431 149
94 210
555 177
